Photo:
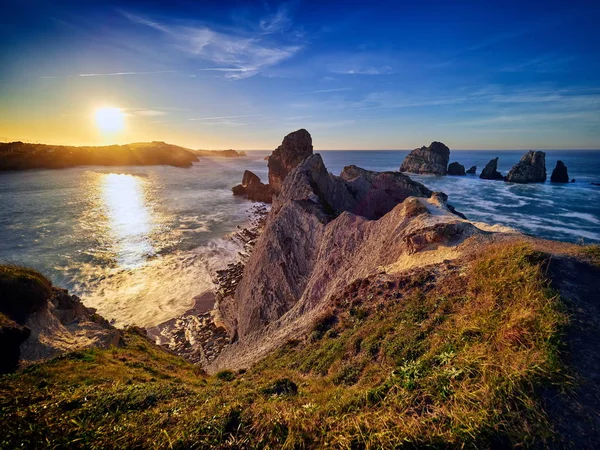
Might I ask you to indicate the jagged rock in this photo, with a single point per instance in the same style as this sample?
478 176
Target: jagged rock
432 159
253 188
311 200
560 174
472 170
490 171
531 168
456 169
294 149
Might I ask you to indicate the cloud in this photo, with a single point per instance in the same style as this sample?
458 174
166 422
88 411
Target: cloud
113 74
384 70
323 91
226 117
146 112
278 22
242 53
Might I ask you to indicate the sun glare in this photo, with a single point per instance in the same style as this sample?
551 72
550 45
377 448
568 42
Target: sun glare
109 119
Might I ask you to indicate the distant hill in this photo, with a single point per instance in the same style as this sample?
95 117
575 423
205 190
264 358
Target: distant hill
23 156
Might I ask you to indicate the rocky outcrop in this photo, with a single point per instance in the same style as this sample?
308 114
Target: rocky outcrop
456 169
322 233
472 170
531 168
428 160
12 336
294 149
490 171
252 188
560 174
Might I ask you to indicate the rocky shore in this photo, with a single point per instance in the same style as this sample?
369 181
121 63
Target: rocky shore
198 335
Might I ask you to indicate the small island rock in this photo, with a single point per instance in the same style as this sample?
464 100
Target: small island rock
531 168
472 170
456 169
433 160
490 171
253 188
560 174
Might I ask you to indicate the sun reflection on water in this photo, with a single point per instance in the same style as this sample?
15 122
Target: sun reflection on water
129 219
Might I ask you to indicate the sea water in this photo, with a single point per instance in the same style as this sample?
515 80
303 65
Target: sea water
138 243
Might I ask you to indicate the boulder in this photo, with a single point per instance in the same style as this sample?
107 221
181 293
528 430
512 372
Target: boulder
531 168
490 171
456 169
560 174
433 160
253 188
12 336
294 149
472 170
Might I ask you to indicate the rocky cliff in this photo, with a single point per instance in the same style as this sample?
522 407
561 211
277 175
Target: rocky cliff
530 169
323 233
433 159
38 321
295 148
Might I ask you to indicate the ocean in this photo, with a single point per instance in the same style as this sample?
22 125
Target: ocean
139 243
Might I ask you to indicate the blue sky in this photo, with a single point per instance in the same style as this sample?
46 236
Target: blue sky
357 75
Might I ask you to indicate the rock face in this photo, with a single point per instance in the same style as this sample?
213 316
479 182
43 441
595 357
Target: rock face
433 160
253 188
560 174
531 169
294 149
472 170
12 336
490 171
324 232
456 169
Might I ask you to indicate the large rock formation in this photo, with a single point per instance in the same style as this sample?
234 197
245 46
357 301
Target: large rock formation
490 171
472 170
560 174
433 159
456 169
294 149
324 232
531 168
252 188
38 321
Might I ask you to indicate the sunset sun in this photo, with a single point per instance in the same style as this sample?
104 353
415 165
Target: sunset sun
109 119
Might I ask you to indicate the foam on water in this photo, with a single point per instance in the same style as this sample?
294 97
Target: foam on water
139 243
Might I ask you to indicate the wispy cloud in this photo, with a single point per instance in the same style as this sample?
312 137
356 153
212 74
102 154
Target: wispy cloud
225 117
384 70
145 112
242 53
278 22
323 91
114 74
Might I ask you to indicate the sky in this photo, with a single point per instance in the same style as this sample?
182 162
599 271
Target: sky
357 75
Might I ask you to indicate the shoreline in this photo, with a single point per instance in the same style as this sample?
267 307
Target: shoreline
198 335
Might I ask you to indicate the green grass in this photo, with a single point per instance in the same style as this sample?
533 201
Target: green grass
402 362
591 253
22 291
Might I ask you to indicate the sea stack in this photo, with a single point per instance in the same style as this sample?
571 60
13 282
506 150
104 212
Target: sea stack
253 188
490 171
456 169
472 170
427 160
531 168
294 149
560 174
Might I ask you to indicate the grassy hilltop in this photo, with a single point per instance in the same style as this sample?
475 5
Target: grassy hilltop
475 354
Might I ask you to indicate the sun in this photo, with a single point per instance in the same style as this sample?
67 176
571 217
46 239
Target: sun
109 119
